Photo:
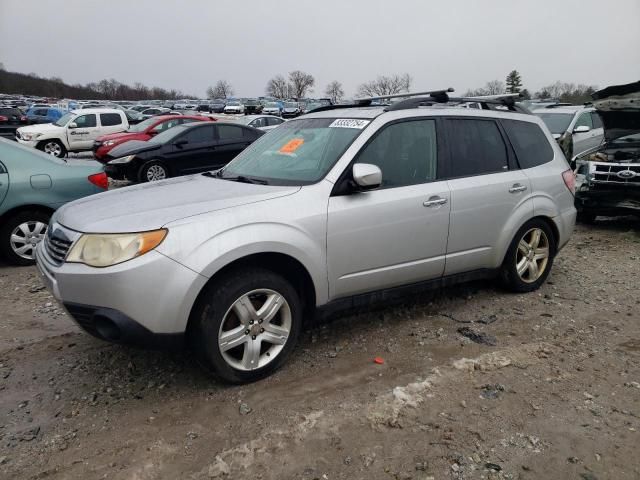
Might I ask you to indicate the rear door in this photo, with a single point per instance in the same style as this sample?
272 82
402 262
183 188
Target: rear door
232 139
4 183
112 123
86 131
194 155
487 191
273 122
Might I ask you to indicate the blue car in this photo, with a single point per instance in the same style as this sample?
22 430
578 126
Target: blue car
44 114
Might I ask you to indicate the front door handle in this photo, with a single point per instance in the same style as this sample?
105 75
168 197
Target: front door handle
516 188
434 202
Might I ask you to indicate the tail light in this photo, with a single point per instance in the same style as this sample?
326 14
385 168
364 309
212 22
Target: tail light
570 180
3 118
100 180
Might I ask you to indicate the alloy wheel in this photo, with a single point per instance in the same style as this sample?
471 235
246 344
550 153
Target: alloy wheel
25 237
156 172
53 148
255 329
532 255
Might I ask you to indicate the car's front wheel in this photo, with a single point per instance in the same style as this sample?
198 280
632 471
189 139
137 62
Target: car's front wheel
20 234
529 258
246 325
53 147
152 172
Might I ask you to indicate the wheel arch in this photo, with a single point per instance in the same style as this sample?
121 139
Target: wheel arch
283 264
550 223
62 141
26 208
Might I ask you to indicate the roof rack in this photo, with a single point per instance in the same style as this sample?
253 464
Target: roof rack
367 102
560 104
487 102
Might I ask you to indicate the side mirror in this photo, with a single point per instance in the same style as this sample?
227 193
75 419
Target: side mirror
181 142
581 129
153 132
367 176
73 125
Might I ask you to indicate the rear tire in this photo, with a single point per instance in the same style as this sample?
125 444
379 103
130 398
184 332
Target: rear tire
253 300
20 234
153 171
529 258
53 147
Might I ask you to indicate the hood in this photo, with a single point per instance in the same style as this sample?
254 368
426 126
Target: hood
151 205
131 147
43 128
619 108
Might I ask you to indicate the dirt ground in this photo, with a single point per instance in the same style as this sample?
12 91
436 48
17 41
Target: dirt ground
551 392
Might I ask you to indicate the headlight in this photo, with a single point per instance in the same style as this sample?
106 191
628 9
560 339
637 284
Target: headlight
29 136
126 159
104 250
108 143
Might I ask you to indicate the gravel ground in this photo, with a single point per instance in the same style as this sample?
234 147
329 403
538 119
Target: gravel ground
476 384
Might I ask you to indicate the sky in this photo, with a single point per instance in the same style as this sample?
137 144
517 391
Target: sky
190 44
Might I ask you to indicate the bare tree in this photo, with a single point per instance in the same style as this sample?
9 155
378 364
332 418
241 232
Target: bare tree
567 92
334 91
278 87
300 83
386 85
222 89
495 87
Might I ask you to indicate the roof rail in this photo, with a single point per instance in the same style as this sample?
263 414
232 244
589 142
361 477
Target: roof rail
487 102
366 102
560 104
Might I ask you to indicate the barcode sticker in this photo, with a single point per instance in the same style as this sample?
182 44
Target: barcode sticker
349 123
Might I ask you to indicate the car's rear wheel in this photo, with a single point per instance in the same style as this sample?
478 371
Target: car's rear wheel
529 257
153 171
53 147
246 325
20 234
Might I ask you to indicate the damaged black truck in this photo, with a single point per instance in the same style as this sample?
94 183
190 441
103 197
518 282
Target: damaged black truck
608 176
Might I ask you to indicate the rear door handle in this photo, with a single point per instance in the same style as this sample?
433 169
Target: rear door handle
517 188
434 202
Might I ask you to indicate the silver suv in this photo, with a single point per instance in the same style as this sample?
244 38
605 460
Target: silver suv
333 209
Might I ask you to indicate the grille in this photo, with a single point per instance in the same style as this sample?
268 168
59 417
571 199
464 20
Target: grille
56 247
609 174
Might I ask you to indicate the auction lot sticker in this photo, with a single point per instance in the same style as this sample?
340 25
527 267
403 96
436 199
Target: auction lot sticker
292 145
349 123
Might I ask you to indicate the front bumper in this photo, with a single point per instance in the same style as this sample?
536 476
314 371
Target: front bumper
28 143
117 171
144 301
611 201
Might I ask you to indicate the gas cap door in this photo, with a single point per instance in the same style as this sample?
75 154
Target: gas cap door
41 182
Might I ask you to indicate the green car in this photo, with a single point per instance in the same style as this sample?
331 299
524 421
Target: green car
32 186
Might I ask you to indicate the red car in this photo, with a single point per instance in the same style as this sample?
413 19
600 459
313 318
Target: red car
141 131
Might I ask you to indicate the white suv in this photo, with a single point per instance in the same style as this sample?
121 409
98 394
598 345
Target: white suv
73 132
332 209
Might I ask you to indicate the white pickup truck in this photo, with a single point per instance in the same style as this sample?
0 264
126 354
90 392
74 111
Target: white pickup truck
74 131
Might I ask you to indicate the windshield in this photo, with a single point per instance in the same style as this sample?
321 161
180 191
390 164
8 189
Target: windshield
142 126
299 152
271 105
291 105
233 104
63 120
556 122
168 134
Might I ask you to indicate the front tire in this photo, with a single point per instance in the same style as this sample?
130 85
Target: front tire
153 171
20 234
246 324
529 258
53 147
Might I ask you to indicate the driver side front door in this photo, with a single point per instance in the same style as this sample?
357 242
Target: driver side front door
82 137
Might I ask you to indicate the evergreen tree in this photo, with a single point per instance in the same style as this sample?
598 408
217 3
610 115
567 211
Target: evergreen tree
514 82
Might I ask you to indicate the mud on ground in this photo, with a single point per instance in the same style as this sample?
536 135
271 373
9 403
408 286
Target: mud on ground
551 392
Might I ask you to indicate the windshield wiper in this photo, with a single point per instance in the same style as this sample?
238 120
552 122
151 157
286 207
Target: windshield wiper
239 178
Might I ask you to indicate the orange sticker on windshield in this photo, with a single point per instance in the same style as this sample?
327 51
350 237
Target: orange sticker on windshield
292 145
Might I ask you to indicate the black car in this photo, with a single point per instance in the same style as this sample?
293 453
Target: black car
252 107
12 116
181 150
217 105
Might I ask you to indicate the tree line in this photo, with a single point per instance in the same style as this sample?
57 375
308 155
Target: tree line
296 84
55 87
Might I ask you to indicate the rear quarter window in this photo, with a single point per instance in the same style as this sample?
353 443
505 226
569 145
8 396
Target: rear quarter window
529 142
110 119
